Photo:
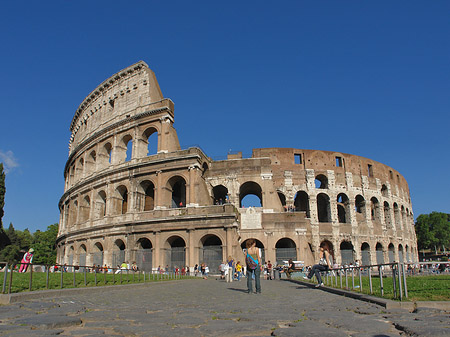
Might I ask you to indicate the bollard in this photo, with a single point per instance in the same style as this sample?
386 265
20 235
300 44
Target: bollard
5 278
62 277
346 278
370 280
404 281
400 290
380 273
31 277
360 280
48 276
394 280
340 277
353 278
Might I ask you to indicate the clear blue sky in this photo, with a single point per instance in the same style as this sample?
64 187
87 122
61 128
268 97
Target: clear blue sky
370 78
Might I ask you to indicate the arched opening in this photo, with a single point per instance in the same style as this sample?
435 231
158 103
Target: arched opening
285 249
85 208
391 253
375 211
176 253
90 162
97 254
343 208
129 145
70 258
408 256
400 254
151 139
73 212
282 198
301 202
379 251
149 195
144 255
404 220
321 181
177 187
384 191
107 151
101 205
82 257
118 256
365 254
387 215
360 207
346 249
220 194
211 252
250 195
122 205
323 208
259 245
397 216
204 169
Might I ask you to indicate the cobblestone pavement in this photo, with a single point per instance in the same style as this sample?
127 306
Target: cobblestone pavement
214 308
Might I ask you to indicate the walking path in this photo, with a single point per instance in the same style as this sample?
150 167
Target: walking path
214 308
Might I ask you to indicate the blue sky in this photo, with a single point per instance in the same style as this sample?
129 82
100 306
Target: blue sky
370 78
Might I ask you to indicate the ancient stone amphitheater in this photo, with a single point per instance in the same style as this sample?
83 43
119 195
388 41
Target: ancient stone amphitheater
132 194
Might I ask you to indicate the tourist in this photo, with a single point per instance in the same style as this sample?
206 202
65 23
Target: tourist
196 270
203 270
230 273
26 260
323 265
238 271
134 266
269 271
253 261
222 270
289 269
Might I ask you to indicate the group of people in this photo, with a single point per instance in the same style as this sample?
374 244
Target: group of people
231 270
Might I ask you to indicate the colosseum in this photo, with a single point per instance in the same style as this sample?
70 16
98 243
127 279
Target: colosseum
132 193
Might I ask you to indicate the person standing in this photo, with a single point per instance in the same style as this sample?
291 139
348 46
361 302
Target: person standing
253 261
230 264
238 271
26 260
323 265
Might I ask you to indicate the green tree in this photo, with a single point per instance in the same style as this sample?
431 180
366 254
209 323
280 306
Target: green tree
44 244
433 230
4 240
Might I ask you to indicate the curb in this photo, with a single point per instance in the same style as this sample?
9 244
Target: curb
388 304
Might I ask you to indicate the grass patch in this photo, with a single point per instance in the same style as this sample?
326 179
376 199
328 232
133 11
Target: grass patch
21 281
420 288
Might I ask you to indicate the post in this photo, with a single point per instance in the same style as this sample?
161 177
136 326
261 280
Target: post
11 278
85 276
370 280
74 278
400 290
95 277
380 273
346 278
48 276
340 277
394 283
404 280
5 278
353 278
62 276
31 276
360 280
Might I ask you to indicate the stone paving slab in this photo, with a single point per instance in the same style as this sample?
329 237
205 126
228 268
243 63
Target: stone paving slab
213 308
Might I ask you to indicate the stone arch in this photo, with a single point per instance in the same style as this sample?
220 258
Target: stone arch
250 188
118 254
375 210
360 207
301 202
70 257
285 249
397 216
91 161
97 254
220 194
408 253
147 188
85 208
100 204
177 187
82 251
323 208
379 253
387 215
106 154
384 191
391 253
211 252
175 247
144 254
343 208
73 211
321 181
347 252
122 199
150 137
365 254
401 257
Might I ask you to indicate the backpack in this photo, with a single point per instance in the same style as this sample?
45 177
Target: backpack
251 263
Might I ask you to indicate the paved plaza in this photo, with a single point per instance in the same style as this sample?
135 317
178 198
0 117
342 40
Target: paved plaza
213 308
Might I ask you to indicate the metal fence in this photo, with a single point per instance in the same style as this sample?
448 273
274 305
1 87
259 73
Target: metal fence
72 276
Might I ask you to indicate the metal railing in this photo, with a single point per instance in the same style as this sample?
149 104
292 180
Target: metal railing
107 276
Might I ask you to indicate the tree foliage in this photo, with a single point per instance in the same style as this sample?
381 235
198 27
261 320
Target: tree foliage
43 244
433 231
4 241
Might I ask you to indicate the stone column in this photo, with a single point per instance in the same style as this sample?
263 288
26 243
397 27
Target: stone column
190 258
229 243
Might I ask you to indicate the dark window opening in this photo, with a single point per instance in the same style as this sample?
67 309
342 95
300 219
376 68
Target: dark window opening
298 158
369 170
